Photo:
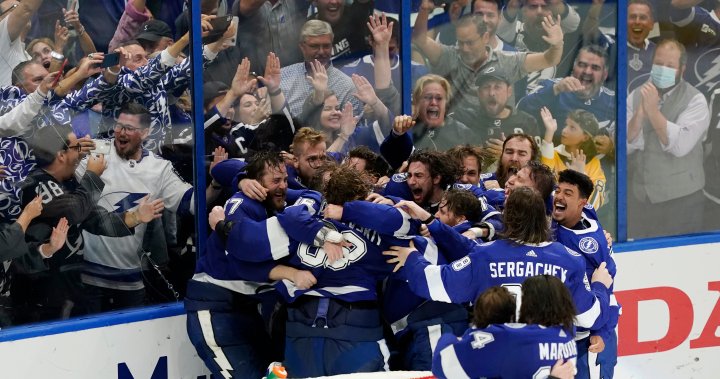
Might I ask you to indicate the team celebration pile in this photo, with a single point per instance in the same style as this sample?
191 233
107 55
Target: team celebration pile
468 233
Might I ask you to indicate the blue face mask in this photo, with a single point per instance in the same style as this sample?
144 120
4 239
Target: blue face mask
663 77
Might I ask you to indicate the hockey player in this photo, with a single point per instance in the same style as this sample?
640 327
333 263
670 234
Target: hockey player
543 337
340 313
222 295
575 225
415 322
459 209
429 174
523 251
470 160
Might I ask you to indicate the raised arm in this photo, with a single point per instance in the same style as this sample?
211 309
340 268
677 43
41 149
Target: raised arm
429 47
18 18
364 92
19 118
381 34
86 43
134 15
398 145
348 124
88 67
551 56
241 84
592 304
271 80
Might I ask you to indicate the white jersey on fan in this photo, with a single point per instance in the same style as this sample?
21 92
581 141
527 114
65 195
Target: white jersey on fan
114 262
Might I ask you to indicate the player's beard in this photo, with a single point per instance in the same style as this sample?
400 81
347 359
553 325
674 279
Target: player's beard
503 172
275 203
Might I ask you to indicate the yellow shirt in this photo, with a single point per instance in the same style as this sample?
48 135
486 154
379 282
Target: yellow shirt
552 157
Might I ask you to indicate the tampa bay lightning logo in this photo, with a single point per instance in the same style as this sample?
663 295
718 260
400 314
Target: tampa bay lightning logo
120 202
707 70
588 245
399 178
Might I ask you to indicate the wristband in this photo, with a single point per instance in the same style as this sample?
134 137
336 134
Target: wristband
276 92
334 237
428 220
116 73
42 254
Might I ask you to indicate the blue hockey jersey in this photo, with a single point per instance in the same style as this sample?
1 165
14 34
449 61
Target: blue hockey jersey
508 351
639 64
290 236
504 263
588 238
216 265
699 30
398 189
399 301
602 106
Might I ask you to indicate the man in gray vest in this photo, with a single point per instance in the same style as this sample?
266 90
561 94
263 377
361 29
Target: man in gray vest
668 120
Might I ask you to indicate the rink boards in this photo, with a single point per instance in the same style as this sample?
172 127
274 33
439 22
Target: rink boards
669 329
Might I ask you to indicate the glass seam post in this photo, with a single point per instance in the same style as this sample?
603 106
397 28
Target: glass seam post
406 55
621 123
196 85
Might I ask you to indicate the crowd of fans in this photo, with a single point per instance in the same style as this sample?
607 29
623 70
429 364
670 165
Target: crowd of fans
96 147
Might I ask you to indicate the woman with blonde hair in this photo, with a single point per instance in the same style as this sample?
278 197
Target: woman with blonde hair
432 127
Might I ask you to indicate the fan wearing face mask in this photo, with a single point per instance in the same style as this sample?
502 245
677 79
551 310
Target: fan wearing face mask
667 121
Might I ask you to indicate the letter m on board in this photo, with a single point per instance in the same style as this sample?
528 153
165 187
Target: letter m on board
160 371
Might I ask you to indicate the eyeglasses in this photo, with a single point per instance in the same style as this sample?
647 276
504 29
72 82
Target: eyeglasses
469 43
77 148
6 11
430 98
126 128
